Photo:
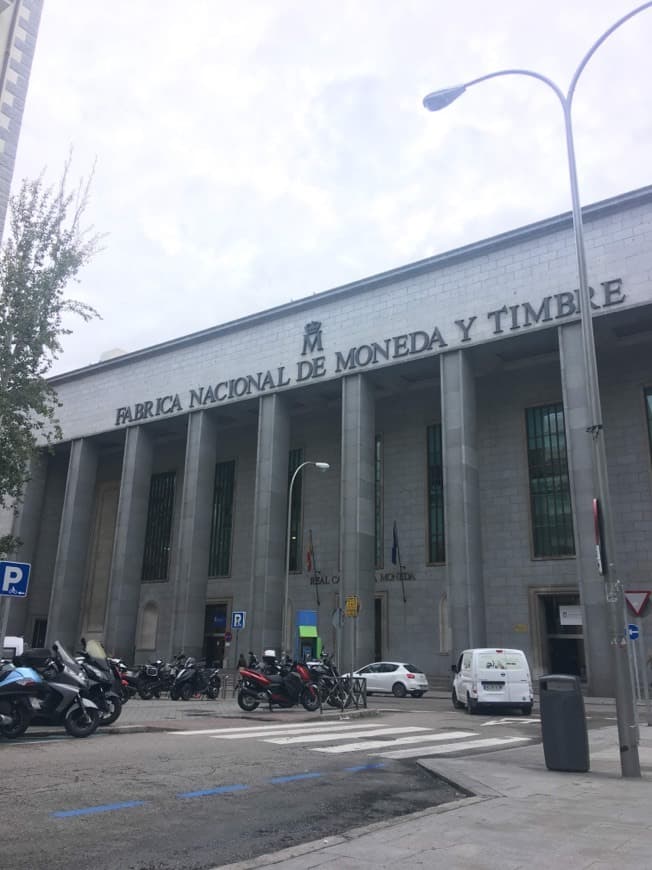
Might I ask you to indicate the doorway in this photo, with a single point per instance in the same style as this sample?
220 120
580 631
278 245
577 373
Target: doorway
562 634
214 634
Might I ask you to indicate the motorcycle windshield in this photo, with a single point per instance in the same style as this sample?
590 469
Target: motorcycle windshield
95 650
66 659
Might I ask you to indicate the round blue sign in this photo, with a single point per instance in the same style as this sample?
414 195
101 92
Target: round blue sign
633 631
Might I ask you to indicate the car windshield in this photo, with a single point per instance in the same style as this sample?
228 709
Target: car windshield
500 661
412 669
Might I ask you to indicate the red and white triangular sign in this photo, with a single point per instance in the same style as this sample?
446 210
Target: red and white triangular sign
637 600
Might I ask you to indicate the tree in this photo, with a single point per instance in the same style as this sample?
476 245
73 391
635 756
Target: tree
45 248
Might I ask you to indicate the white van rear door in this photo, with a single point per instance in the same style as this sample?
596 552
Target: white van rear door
502 677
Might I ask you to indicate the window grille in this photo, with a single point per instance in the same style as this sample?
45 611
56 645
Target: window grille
158 534
436 540
219 556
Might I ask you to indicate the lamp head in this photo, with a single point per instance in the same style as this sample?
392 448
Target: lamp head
440 99
322 466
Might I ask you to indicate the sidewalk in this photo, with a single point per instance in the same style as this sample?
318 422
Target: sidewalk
520 816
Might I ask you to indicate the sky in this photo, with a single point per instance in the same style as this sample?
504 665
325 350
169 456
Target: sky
253 153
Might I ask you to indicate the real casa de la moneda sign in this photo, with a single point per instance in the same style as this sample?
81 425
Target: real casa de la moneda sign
508 318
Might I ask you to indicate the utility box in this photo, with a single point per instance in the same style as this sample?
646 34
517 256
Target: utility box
563 723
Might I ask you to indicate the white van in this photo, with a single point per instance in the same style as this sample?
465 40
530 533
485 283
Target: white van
492 678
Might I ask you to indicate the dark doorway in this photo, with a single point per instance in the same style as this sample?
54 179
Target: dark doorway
564 635
38 635
214 631
378 629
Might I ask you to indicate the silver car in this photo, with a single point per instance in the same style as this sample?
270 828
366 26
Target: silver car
399 678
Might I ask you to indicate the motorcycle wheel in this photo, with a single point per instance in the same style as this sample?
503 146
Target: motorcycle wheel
82 722
20 720
145 693
174 695
213 689
247 702
114 705
186 692
310 699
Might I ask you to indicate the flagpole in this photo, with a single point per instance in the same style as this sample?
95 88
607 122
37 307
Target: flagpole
396 547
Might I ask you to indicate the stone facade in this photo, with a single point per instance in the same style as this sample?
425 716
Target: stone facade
354 377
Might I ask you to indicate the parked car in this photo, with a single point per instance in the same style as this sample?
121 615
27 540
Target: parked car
492 678
399 678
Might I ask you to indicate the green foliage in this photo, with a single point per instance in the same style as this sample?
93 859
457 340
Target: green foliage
44 250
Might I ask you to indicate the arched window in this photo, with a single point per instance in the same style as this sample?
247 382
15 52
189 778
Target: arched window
148 626
444 625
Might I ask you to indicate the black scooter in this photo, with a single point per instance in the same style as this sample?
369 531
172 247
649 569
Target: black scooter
193 679
104 688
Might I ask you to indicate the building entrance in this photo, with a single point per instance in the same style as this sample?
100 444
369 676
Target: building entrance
214 631
564 638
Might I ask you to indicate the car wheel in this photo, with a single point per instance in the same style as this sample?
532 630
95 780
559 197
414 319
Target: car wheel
526 709
471 705
399 690
457 704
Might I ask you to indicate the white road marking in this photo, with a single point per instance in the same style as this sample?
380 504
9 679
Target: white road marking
315 738
447 748
383 744
509 721
258 729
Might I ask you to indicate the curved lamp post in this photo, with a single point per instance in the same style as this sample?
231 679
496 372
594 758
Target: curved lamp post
322 466
437 100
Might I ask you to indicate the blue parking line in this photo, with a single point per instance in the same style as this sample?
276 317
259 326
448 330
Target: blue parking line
280 779
105 808
222 789
364 767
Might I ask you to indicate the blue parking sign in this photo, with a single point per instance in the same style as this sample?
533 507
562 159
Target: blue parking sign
238 619
14 577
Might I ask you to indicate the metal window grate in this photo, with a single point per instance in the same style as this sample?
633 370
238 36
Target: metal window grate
436 538
219 555
648 406
550 502
295 460
378 502
156 556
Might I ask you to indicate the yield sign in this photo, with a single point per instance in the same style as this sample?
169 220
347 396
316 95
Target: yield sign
637 600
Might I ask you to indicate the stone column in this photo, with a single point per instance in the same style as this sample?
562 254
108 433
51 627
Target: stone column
26 527
583 490
357 509
465 590
194 535
69 579
267 589
127 559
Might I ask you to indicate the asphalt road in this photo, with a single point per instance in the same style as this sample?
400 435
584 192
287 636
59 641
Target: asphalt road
200 800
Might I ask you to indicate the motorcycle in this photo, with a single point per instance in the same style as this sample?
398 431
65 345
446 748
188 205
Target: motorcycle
19 691
63 694
104 688
193 679
291 685
125 678
157 677
333 689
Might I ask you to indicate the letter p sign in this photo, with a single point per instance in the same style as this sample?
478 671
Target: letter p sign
14 577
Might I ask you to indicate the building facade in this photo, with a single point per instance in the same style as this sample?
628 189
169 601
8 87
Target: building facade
19 23
446 396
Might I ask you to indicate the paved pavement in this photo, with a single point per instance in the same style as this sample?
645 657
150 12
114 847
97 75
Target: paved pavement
517 814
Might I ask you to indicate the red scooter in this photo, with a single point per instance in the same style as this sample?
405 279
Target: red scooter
287 688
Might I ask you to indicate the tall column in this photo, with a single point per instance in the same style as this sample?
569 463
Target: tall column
265 615
74 534
357 517
579 448
127 560
194 535
25 527
465 589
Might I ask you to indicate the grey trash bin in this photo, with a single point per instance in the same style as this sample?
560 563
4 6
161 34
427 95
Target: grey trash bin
563 723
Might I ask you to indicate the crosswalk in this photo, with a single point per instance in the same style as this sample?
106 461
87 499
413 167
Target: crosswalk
384 741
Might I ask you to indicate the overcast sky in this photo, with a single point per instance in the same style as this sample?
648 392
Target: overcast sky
253 153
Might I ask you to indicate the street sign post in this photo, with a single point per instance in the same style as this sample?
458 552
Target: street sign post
14 578
238 622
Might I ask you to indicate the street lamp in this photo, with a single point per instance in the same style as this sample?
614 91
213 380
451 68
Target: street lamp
627 738
322 466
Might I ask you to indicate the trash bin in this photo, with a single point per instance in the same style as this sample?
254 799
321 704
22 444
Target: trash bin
563 723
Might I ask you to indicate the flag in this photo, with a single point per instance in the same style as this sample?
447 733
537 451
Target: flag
310 555
395 550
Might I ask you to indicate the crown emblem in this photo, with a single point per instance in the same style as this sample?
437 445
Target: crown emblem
313 327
